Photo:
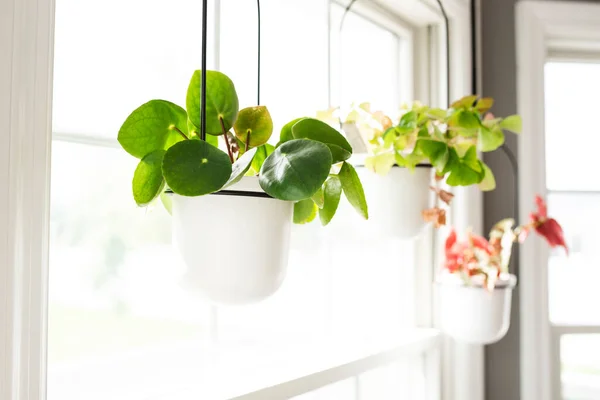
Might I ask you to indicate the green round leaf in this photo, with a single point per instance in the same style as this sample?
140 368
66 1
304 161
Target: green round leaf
296 170
310 128
148 180
286 131
436 151
254 123
221 102
353 189
195 168
332 194
151 127
305 211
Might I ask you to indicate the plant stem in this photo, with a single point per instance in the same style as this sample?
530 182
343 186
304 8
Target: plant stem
226 140
181 133
247 141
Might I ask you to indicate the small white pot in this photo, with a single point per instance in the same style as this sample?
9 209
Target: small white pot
473 314
397 199
235 242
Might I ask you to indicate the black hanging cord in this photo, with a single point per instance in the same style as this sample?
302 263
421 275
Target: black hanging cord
203 83
341 28
259 46
447 27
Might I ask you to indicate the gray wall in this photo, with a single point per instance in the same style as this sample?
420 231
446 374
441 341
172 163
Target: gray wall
498 75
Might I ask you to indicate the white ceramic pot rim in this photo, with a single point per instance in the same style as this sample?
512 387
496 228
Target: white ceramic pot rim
248 186
506 281
358 160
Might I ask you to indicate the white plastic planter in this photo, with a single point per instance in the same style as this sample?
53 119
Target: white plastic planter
397 199
473 314
235 243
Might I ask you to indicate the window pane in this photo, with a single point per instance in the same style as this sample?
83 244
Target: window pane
118 303
356 77
570 296
112 56
571 132
293 55
580 367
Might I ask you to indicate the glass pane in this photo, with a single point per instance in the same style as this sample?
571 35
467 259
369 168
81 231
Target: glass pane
293 70
112 56
355 77
570 296
580 367
118 303
571 109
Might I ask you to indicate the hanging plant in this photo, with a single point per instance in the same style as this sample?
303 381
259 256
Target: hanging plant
448 139
475 283
308 166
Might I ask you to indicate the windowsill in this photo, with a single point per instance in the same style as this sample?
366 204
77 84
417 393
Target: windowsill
242 372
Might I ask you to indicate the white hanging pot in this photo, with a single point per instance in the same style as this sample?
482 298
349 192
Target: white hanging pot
235 243
473 314
397 199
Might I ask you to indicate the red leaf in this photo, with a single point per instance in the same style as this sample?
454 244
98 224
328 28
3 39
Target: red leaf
551 230
450 240
542 208
480 242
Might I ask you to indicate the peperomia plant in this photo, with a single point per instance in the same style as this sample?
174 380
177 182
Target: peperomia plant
449 139
487 260
307 166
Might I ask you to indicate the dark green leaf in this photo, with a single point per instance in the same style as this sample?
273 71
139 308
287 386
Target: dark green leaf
148 180
332 194
464 171
296 169
240 167
436 151
304 211
195 168
286 131
152 127
310 128
353 189
490 139
221 102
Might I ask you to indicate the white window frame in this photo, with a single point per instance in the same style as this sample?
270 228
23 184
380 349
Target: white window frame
544 29
26 71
